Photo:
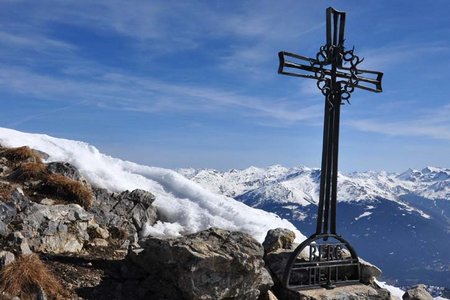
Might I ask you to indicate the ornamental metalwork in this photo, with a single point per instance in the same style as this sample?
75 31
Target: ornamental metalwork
326 259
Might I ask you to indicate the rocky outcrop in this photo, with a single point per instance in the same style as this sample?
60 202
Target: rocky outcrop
126 211
418 292
37 207
55 228
211 264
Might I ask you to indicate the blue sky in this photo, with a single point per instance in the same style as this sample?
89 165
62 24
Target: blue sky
194 83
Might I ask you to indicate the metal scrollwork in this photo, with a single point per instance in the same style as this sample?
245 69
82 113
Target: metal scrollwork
336 55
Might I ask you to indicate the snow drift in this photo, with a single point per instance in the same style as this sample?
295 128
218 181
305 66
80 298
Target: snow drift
186 206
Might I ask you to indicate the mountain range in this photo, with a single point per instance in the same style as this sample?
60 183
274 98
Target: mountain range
400 222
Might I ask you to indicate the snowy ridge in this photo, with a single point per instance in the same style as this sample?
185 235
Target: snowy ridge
301 184
186 205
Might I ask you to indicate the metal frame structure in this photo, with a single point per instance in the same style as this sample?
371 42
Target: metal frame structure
337 74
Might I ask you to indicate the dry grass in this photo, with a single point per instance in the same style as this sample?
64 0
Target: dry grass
5 191
25 275
20 154
29 171
67 189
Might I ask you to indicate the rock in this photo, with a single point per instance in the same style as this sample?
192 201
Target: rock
419 292
279 238
55 228
369 272
211 264
99 242
95 231
19 200
6 258
41 294
268 296
127 211
66 169
348 292
47 201
41 154
276 263
19 243
4 231
7 212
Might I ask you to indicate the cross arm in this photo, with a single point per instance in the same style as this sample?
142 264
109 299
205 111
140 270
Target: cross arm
367 80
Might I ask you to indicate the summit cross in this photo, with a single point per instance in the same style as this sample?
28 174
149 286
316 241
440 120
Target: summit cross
337 74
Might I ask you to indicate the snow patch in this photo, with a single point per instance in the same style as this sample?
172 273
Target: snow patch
364 214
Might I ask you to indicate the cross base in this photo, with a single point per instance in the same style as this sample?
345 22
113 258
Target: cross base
322 261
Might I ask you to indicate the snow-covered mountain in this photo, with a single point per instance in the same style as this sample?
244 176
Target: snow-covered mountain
303 183
401 222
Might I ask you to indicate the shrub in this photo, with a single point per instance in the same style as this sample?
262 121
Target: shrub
25 275
5 191
27 171
67 189
20 154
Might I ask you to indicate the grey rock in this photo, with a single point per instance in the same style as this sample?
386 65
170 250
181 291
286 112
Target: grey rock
128 211
6 258
55 228
7 212
41 294
41 154
211 264
19 243
19 199
66 169
276 263
279 238
369 272
4 231
419 292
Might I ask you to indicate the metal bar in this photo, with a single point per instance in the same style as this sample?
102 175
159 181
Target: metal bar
335 27
299 266
334 179
342 30
323 169
339 74
318 286
326 213
328 16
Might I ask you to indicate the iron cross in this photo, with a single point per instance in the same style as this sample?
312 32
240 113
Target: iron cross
336 82
337 74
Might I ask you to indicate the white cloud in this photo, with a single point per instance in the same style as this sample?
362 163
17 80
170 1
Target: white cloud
144 94
432 124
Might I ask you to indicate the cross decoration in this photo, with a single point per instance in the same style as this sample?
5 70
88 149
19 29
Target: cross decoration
331 259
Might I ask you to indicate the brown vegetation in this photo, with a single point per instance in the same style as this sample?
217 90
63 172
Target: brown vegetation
25 275
5 191
67 189
20 154
29 171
